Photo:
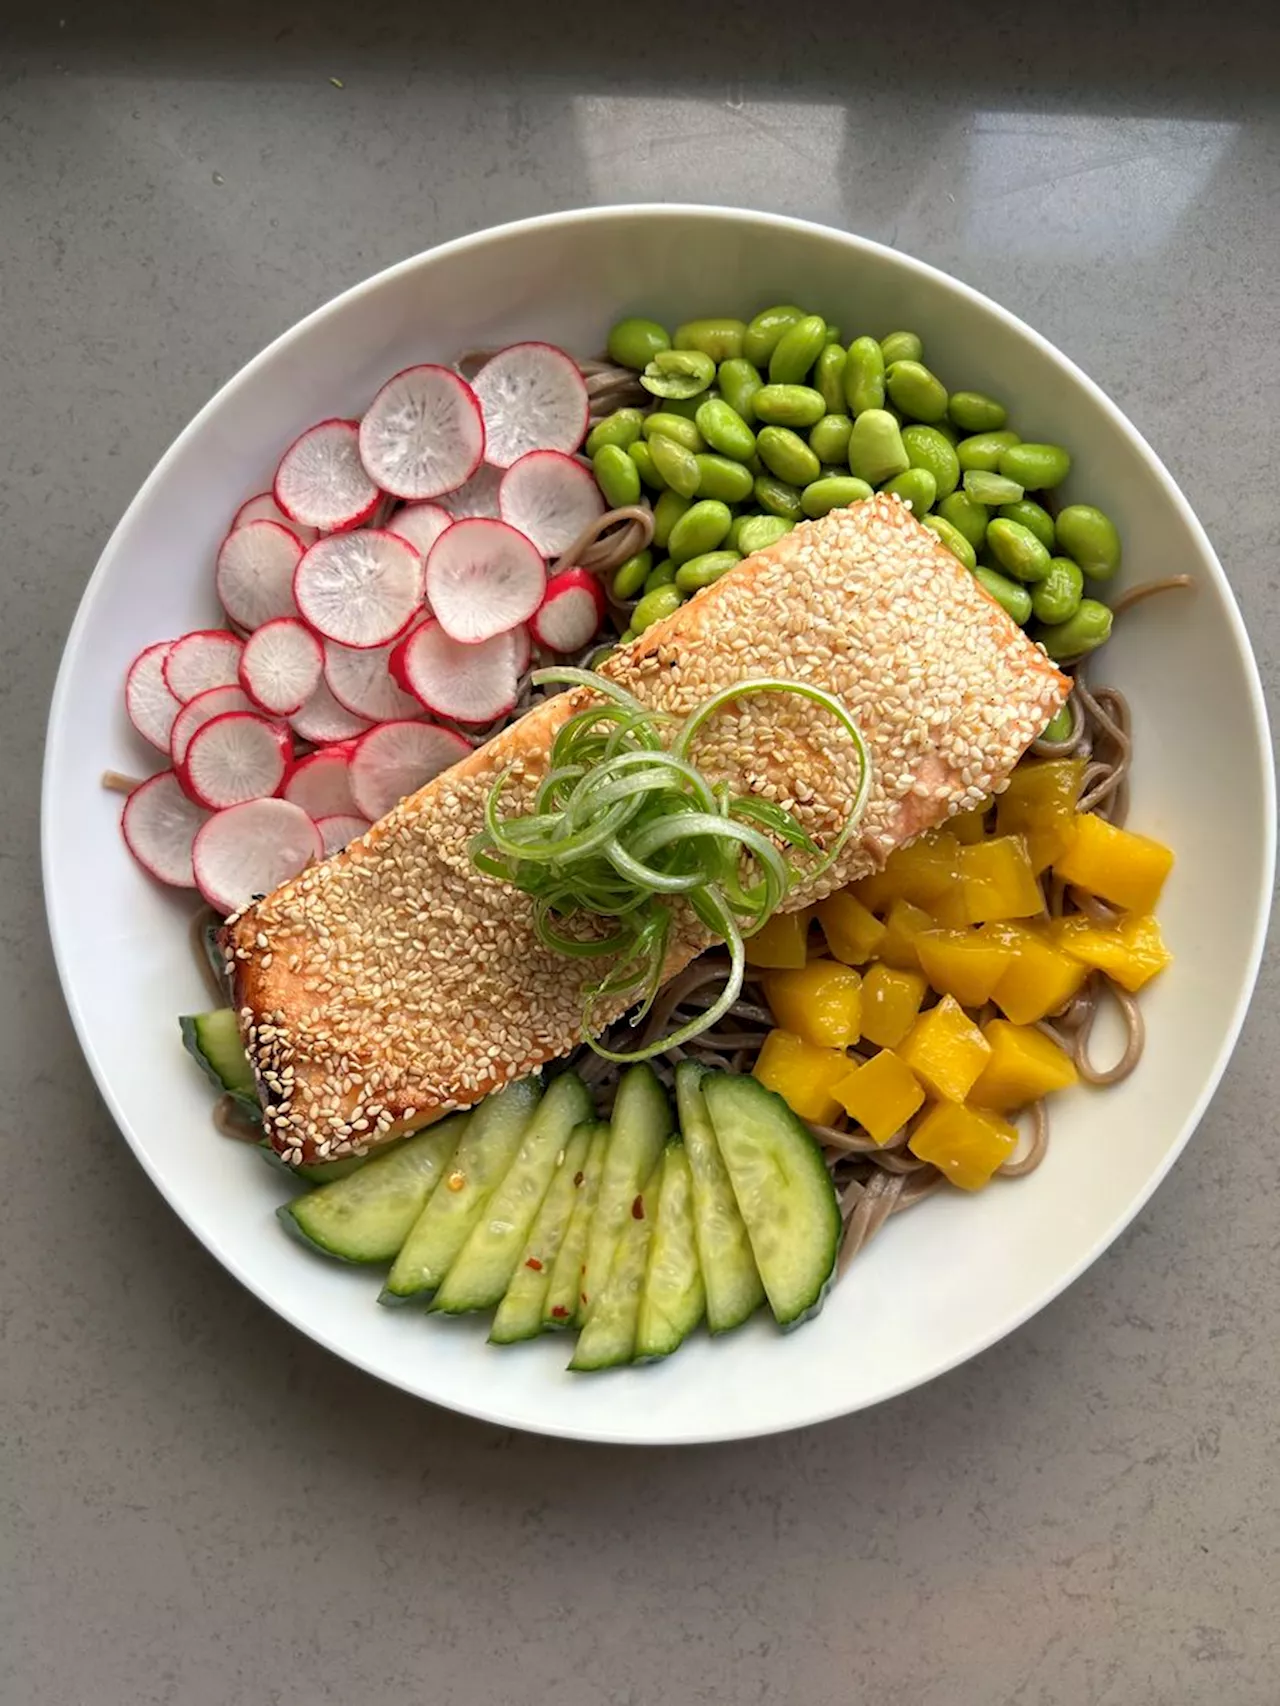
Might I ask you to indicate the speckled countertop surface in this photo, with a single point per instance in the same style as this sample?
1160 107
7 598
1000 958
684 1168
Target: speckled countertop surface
201 1508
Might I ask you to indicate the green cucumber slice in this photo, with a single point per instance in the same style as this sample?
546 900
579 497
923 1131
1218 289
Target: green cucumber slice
213 1040
673 1298
321 1172
564 1294
482 1157
729 1271
642 1122
609 1337
520 1312
787 1199
482 1270
367 1216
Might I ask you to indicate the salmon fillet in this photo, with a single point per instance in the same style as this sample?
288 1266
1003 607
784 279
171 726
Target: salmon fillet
393 982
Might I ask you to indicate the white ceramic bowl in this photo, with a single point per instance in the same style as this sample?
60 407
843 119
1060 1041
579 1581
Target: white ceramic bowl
955 1274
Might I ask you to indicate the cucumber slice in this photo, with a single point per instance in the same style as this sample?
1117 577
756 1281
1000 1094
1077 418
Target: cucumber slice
483 1268
213 1040
520 1312
321 1172
367 1216
609 1337
729 1271
787 1199
486 1151
642 1123
564 1294
673 1298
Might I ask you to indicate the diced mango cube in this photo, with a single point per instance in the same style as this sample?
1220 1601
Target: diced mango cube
853 931
923 869
966 1145
1131 951
946 1049
903 924
802 1074
998 881
965 963
820 1003
881 1095
890 1002
970 826
1127 869
782 941
1024 1065
1040 804
1041 978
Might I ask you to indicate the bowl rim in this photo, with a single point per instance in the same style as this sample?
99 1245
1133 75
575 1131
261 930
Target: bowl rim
94 591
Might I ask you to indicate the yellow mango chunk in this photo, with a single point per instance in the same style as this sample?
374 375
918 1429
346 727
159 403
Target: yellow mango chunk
1040 804
881 1095
965 963
1024 1065
782 941
966 1145
1041 978
890 1002
819 1003
1127 869
802 1074
946 1050
1131 951
852 930
998 880
918 872
968 827
903 924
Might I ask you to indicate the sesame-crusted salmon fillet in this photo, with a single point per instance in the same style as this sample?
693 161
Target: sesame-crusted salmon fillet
394 982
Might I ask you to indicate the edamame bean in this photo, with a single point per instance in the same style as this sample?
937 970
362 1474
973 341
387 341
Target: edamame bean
786 454
739 382
662 601
916 391
1058 595
765 331
622 428
833 334
915 486
663 423
721 477
1059 726
757 532
901 346
875 447
616 475
778 497
725 430
701 528
678 373
677 464
829 439
948 432
705 570
666 512
864 376
1017 550
1036 467
641 455
789 405
634 342
927 448
630 576
974 411
663 575
1088 629
952 538
993 489
834 491
1015 600
984 450
828 377
797 350
1089 536
626 636
1033 516
687 407
967 516
720 339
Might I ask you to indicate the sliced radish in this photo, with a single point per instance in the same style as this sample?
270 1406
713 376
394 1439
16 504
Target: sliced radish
160 825
360 589
281 665
533 398
569 617
524 648
248 850
396 759
235 757
321 480
323 720
321 783
483 578
421 524
471 684
216 702
148 700
339 830
423 433
263 507
254 574
362 682
549 498
210 657
478 497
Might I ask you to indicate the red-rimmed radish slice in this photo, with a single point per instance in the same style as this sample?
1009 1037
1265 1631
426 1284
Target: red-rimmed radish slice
549 498
524 648
254 573
471 684
421 524
321 783
478 497
533 398
483 578
339 830
423 433
160 825
148 700
235 757
362 682
321 480
250 849
263 507
322 720
210 657
216 702
396 759
360 589
281 665
570 615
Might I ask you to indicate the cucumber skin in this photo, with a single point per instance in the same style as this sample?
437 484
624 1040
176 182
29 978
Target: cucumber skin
630 1259
699 1136
642 1121
673 1204
241 1088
